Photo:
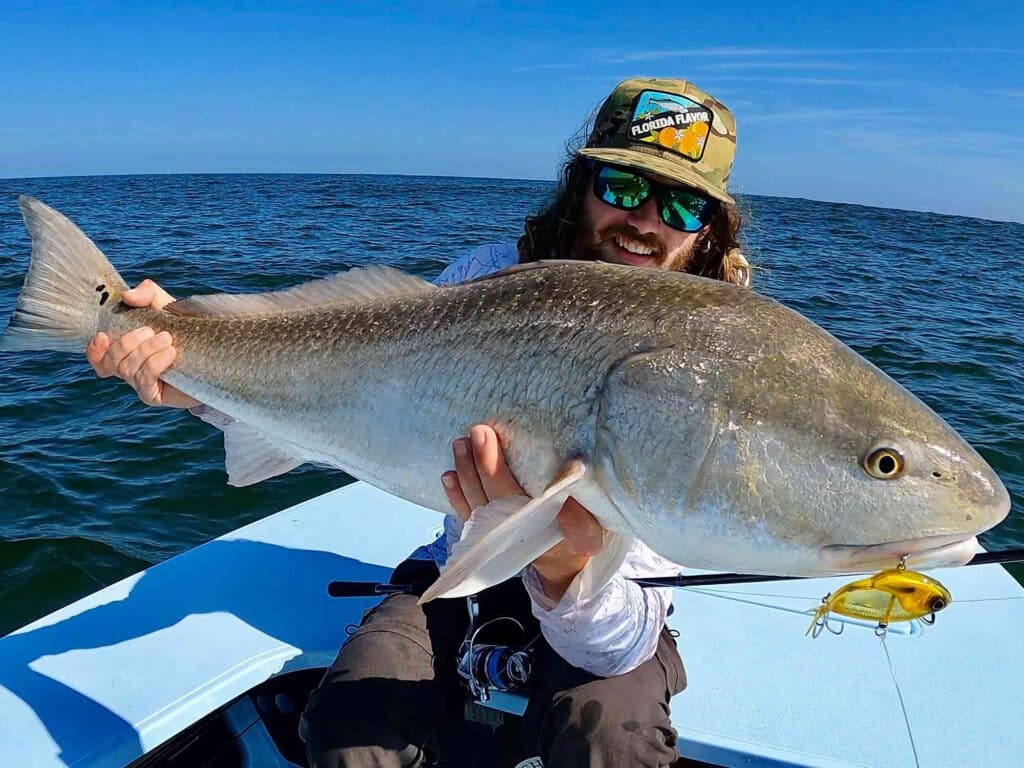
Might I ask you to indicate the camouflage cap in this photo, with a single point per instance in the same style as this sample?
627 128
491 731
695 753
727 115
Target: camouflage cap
667 127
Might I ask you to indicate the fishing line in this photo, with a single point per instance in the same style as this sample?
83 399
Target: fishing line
991 599
738 598
899 694
731 593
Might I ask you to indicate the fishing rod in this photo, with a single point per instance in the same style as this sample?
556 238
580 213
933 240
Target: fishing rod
376 589
708 579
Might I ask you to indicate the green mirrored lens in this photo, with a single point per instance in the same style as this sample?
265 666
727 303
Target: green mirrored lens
621 189
681 209
685 211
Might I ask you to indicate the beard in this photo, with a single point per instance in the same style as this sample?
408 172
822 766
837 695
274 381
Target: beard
598 246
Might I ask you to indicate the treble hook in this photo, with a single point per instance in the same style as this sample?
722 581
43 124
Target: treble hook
823 622
902 566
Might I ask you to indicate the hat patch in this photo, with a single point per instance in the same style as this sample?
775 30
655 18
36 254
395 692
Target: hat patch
672 122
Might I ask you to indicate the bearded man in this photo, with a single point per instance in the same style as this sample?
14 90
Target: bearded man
648 189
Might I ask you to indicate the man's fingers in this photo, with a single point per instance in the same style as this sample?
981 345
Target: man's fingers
147 294
132 349
120 348
469 478
94 352
456 498
147 381
583 534
495 476
480 475
131 367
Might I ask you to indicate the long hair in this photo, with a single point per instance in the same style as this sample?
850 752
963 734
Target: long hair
554 232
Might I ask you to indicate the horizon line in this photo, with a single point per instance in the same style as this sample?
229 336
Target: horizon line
5 179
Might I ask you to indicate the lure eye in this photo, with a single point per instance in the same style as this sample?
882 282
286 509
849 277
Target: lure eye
884 464
937 604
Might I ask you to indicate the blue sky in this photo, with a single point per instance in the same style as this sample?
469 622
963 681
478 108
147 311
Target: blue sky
905 105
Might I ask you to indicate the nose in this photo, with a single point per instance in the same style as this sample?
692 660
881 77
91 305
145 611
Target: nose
645 219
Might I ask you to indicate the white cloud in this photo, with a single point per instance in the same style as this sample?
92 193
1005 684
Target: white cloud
690 53
829 81
766 57
733 66
812 115
535 67
904 143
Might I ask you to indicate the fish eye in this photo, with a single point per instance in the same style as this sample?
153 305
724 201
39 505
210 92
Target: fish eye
937 604
884 463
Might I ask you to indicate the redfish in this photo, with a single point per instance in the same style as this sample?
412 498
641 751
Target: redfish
722 429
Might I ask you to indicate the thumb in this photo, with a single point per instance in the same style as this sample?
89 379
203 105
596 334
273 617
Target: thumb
147 294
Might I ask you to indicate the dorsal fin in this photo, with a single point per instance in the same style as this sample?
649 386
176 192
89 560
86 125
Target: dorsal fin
528 266
359 284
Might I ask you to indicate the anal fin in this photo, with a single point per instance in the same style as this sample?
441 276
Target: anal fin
249 457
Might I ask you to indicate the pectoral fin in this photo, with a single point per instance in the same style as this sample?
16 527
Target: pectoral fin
504 537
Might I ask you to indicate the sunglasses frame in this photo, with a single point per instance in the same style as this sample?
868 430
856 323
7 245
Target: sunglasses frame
660 192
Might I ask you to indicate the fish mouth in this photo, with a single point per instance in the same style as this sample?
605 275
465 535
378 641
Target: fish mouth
927 552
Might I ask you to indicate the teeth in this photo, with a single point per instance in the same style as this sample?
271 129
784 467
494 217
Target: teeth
634 247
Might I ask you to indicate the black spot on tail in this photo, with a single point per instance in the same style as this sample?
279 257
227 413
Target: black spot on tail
103 298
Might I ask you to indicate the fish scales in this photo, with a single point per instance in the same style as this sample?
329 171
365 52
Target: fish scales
448 353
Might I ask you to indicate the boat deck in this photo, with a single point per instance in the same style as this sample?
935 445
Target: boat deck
114 675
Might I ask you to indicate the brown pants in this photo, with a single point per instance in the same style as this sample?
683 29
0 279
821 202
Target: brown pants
393 690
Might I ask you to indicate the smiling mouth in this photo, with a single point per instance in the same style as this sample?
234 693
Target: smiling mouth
634 247
927 552
632 253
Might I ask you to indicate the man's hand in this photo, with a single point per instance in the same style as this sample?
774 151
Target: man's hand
141 356
482 475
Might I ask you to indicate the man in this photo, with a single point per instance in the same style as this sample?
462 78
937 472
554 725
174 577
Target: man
648 190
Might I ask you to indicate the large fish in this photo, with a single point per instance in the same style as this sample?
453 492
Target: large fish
722 429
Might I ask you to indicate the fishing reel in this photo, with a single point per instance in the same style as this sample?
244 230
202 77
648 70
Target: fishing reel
487 667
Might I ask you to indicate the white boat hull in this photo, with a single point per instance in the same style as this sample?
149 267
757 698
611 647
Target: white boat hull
116 674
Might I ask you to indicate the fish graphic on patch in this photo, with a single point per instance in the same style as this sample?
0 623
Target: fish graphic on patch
672 122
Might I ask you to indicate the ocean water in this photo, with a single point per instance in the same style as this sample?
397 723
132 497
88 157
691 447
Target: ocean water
96 486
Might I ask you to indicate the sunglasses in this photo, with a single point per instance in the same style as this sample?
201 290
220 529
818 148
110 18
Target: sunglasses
681 209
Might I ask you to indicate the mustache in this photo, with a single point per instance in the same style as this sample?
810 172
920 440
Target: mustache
627 232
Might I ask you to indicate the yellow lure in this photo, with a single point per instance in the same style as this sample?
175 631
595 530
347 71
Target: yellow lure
895 594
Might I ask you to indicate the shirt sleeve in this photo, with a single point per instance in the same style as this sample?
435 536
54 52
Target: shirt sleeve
479 262
613 631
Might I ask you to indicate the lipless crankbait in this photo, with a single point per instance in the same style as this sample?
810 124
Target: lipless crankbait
894 594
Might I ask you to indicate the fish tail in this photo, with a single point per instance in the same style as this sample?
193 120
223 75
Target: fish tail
68 285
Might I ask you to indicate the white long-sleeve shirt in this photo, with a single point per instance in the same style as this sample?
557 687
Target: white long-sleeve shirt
611 632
